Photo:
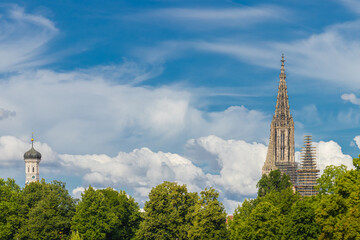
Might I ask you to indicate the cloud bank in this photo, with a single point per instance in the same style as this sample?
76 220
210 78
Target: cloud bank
233 167
92 113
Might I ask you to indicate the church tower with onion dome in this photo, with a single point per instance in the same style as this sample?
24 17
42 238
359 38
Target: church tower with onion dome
281 150
32 159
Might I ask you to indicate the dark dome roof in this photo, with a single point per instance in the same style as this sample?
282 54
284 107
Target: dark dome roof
32 153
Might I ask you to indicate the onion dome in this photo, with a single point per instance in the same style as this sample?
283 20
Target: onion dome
32 153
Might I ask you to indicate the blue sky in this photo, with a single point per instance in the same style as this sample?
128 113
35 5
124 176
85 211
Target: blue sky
131 93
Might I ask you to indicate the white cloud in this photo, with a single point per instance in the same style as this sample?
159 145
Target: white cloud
236 16
139 170
357 141
351 98
353 5
233 167
76 192
238 163
330 153
84 113
18 14
23 40
239 169
231 205
330 56
12 150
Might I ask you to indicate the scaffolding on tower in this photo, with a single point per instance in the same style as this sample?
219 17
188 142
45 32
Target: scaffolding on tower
307 174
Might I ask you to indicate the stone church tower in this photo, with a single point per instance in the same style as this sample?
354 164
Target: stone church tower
281 150
32 159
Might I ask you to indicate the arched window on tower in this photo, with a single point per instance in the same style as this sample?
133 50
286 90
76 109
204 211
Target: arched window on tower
33 169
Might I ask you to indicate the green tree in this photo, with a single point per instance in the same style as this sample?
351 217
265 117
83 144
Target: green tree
209 217
275 181
264 217
168 213
93 218
264 222
356 163
283 199
329 211
326 182
300 223
9 207
127 212
46 211
239 227
338 210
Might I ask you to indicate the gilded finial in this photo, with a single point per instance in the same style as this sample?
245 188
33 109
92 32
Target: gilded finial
32 139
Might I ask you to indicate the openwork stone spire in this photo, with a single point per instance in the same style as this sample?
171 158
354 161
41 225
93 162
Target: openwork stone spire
281 150
282 109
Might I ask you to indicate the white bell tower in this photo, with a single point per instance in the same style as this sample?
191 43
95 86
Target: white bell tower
32 159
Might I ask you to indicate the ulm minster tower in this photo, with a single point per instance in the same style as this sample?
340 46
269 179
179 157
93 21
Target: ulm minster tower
32 159
281 150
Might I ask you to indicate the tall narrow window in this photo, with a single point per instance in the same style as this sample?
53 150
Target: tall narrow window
282 145
33 169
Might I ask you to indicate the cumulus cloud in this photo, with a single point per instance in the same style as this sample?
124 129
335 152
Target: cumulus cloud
12 150
139 170
24 37
237 163
233 167
351 98
76 192
238 169
330 153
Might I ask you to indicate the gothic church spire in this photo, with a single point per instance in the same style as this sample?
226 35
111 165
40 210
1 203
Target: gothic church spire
282 109
281 150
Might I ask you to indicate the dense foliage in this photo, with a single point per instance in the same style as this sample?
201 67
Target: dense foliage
275 181
174 213
279 213
46 211
106 214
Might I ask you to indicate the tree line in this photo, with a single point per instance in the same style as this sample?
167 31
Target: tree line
43 210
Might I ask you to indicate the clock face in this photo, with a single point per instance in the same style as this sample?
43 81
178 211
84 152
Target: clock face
33 176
